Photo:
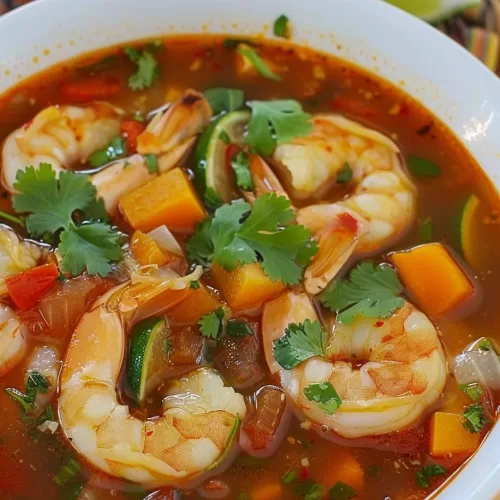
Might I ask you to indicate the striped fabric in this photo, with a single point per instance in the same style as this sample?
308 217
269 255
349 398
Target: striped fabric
477 29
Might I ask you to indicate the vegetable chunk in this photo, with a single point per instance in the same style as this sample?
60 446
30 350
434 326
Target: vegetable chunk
434 278
168 199
247 286
448 435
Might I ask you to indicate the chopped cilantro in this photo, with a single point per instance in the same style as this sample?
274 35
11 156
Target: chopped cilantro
51 204
151 162
147 69
300 342
474 391
305 487
425 230
241 169
427 472
315 493
117 148
67 472
475 418
325 396
371 291
341 491
194 284
344 175
288 121
484 345
224 100
211 323
289 477
421 167
257 62
267 232
373 470
35 383
238 328
280 27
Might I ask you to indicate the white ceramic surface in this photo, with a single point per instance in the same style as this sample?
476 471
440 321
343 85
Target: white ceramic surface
444 77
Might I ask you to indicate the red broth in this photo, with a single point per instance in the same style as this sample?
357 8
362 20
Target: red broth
381 467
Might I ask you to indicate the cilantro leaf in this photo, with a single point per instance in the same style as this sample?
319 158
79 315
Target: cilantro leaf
342 491
199 247
257 62
484 345
300 342
371 291
89 246
241 169
427 472
224 100
325 396
50 202
475 418
147 69
280 27
35 383
211 323
289 477
288 121
238 328
344 175
195 285
95 211
474 391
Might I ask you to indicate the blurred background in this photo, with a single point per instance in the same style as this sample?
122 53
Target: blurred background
475 24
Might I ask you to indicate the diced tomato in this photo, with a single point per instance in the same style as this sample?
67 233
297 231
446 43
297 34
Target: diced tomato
89 89
231 151
304 473
27 288
131 130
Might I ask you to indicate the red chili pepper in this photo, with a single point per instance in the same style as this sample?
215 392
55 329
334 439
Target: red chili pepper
90 89
378 324
131 130
304 473
27 288
231 151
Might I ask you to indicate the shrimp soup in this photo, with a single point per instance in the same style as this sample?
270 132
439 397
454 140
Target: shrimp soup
238 269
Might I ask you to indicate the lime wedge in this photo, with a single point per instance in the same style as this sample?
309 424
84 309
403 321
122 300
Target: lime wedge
434 10
148 356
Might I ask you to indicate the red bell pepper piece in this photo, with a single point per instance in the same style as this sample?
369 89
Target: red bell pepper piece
27 288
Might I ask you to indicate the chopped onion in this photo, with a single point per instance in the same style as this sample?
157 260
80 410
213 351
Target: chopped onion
478 367
166 240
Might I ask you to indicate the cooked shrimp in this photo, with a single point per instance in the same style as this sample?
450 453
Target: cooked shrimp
15 256
403 370
12 339
64 136
381 203
201 415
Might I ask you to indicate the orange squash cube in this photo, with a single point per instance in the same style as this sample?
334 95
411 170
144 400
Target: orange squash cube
247 286
434 278
198 302
448 435
168 199
146 251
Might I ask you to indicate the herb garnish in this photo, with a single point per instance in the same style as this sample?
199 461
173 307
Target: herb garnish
238 328
280 27
211 323
474 391
257 62
287 119
475 419
341 491
371 291
51 204
344 175
300 342
117 149
239 234
152 163
35 383
427 472
325 395
241 169
223 100
148 69
421 167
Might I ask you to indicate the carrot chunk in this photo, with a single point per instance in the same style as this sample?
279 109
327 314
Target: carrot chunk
448 435
168 199
198 302
434 278
347 469
247 286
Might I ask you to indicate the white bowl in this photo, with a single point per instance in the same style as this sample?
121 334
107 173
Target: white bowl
407 52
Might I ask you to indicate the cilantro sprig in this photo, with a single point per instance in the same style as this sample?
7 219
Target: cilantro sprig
241 168
239 234
52 206
370 291
148 69
211 324
276 122
426 473
475 419
300 342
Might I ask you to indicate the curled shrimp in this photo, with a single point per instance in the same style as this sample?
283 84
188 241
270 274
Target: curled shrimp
200 418
379 208
64 136
398 374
